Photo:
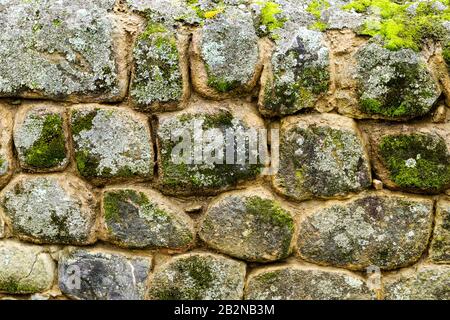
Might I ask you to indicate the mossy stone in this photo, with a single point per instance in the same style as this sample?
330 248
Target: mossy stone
440 244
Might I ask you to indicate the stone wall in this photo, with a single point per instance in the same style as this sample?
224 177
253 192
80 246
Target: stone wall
92 207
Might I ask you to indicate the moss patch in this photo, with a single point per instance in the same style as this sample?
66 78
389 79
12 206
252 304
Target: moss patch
316 7
49 150
82 122
270 17
398 27
417 161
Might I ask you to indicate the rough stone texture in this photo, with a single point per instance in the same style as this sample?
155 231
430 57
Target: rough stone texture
161 71
140 218
297 75
440 245
179 169
250 225
198 276
225 55
50 209
292 282
395 85
111 143
6 157
413 158
321 156
65 50
103 275
24 269
40 138
374 229
427 282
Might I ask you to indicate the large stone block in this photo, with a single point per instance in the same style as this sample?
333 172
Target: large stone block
192 147
111 143
143 218
426 282
292 282
24 269
413 158
378 229
250 225
50 209
321 156
440 245
65 50
40 138
198 276
103 275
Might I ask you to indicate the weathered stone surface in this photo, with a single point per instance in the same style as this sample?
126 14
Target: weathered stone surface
24 268
291 282
186 141
198 276
40 138
426 282
103 275
249 225
321 156
2 227
6 157
394 85
440 245
413 158
65 50
139 218
161 72
111 143
224 55
50 209
298 74
374 229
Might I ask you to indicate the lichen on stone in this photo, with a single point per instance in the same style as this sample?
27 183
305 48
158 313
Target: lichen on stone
134 219
394 84
58 49
416 162
300 74
40 140
198 276
440 244
111 143
250 227
157 75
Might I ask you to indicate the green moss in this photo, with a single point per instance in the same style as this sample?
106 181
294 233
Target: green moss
417 161
206 14
49 150
82 122
151 29
272 213
270 17
86 165
2 161
268 277
15 287
397 27
221 84
446 53
316 7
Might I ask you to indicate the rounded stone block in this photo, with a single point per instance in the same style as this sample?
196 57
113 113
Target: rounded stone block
378 229
225 54
440 244
24 269
426 282
292 282
56 209
103 275
249 225
200 148
40 138
413 158
62 50
143 218
393 85
6 155
111 144
321 156
298 74
198 276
